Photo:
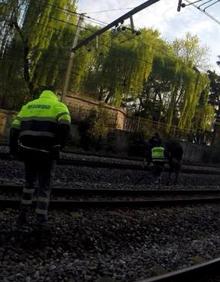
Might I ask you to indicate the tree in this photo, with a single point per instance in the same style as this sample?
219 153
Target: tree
191 52
37 45
127 65
214 96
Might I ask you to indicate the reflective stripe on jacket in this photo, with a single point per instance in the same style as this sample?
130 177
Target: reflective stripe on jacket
158 153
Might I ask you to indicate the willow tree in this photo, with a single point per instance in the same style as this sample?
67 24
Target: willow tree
160 95
48 37
205 112
87 61
173 90
168 70
10 10
36 45
11 64
96 54
127 65
194 84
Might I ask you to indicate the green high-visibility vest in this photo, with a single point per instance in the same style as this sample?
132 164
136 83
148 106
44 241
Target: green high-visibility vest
157 153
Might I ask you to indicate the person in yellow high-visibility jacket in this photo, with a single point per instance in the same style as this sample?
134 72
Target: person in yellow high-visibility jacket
37 134
158 159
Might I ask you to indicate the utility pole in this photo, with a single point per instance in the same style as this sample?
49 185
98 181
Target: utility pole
72 54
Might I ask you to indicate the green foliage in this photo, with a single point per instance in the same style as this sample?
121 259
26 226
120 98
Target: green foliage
190 51
148 76
99 124
46 41
94 129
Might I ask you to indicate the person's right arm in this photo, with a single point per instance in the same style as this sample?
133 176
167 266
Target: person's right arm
14 134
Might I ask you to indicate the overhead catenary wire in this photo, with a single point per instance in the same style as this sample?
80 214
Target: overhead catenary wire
70 11
121 42
160 49
88 29
198 1
207 3
66 11
114 23
204 12
109 10
211 5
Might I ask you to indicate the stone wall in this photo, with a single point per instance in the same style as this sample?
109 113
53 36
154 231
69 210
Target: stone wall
81 107
5 121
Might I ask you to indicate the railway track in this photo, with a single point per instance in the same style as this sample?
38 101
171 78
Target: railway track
116 163
199 273
67 198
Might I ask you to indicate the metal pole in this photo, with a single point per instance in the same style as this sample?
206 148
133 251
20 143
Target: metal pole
70 64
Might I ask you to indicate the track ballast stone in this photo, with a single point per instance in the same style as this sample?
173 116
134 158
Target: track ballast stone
121 245
13 171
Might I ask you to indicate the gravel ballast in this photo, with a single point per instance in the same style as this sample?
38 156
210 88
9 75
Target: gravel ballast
122 245
13 171
107 245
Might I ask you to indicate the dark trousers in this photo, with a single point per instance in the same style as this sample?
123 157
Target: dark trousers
37 169
158 167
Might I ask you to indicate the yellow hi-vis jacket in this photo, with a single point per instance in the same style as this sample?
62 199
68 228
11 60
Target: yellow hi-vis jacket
41 123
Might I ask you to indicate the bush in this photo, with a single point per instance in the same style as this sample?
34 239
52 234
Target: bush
94 129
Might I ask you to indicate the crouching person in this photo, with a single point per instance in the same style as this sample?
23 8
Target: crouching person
37 134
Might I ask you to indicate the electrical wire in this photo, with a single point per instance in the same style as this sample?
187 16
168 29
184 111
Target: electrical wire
106 11
203 3
68 10
160 49
92 30
206 2
211 5
204 12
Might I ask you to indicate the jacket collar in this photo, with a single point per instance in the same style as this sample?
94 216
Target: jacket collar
49 95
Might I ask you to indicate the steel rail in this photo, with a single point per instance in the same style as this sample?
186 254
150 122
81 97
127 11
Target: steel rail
103 161
123 203
133 166
198 273
141 167
148 192
101 155
105 156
